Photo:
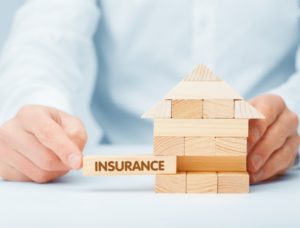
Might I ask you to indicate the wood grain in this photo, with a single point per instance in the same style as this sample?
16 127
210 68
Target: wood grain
222 109
128 165
199 146
160 110
186 109
231 146
201 73
233 182
207 163
202 90
168 145
201 127
201 182
174 183
243 110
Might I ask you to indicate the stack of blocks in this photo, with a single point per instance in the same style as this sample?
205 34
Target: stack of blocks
204 122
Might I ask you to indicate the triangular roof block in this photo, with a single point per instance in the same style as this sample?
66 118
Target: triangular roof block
203 84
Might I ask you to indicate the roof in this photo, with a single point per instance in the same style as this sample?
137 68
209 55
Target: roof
202 84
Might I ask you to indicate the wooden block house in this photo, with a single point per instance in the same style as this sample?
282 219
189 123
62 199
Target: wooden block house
204 122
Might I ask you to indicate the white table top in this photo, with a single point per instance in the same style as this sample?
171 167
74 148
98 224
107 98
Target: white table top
129 201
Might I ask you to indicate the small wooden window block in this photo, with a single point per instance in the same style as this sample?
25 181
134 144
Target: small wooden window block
233 182
174 183
202 182
168 145
187 109
199 146
231 146
218 109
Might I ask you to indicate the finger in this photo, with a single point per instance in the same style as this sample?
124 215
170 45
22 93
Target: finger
51 135
31 148
26 167
8 173
271 111
75 129
274 138
280 161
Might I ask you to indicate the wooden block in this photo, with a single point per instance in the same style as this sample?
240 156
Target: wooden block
187 109
165 145
206 163
243 110
201 73
201 127
222 109
233 182
199 146
202 90
174 183
201 182
160 110
128 165
231 146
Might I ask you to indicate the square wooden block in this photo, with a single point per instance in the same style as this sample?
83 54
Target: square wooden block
233 182
173 183
187 109
199 146
202 182
214 109
168 145
231 146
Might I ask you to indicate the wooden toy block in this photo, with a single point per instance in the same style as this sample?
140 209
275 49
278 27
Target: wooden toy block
168 145
174 183
222 109
128 165
243 110
233 182
201 182
187 109
160 110
199 146
201 127
231 146
202 90
206 163
201 73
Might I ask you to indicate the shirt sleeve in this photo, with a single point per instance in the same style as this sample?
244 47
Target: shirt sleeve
47 55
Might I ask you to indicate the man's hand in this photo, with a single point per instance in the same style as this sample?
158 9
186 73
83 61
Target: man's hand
40 144
272 142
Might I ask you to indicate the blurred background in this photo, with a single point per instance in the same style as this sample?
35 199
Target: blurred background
7 11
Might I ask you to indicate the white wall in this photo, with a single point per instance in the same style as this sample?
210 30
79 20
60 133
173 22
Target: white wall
7 10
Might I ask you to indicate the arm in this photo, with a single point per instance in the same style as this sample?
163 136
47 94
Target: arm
48 54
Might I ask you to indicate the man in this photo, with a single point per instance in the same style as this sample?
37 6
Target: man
140 50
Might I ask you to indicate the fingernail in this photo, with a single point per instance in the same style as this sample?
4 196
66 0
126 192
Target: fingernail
256 162
74 161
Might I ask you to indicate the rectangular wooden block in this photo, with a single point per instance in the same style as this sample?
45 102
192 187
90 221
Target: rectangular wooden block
201 127
233 182
187 109
128 165
218 109
168 145
174 183
231 146
206 163
199 146
201 182
202 90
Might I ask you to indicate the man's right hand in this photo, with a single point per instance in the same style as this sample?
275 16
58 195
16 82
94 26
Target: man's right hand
40 144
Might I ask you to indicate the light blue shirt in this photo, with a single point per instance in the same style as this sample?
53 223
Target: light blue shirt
139 49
